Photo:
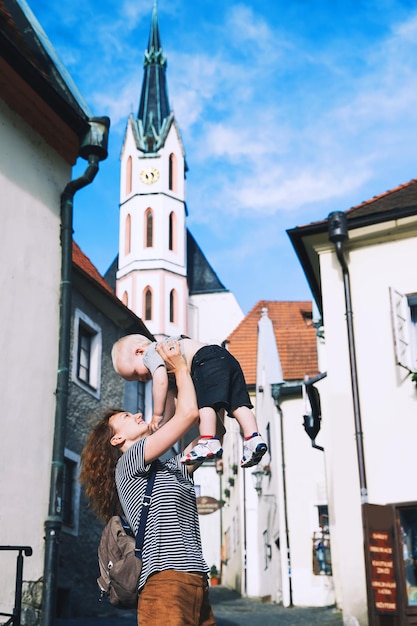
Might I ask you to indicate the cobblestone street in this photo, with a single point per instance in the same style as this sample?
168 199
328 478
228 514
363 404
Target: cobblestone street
230 609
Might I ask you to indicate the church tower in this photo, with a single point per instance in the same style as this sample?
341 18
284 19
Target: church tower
152 266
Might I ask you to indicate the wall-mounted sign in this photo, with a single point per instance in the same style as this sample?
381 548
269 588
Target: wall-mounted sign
383 581
207 505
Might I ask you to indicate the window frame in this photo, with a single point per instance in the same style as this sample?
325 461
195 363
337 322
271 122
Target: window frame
404 328
94 383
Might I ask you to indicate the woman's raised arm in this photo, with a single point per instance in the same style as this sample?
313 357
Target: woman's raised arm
186 412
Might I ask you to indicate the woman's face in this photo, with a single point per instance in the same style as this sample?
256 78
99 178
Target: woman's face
128 428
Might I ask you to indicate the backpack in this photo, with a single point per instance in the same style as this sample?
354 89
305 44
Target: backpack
119 567
120 555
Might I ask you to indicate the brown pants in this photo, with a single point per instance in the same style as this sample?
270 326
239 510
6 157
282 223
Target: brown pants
172 598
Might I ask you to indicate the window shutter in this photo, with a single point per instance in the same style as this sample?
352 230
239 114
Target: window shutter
401 325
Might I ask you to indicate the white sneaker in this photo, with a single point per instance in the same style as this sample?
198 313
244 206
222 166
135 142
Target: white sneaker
253 451
205 449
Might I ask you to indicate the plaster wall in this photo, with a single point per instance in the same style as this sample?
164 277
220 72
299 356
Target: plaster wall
212 317
387 399
32 177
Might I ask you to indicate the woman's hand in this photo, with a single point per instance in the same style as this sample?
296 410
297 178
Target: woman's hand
186 411
170 351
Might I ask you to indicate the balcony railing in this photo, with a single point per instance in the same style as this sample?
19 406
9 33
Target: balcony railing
14 617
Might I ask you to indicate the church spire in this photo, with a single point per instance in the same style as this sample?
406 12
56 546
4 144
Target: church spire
154 107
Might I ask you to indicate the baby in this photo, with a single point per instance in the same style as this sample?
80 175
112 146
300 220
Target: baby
219 383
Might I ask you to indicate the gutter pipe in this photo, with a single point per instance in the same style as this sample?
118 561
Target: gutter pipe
93 148
276 393
338 233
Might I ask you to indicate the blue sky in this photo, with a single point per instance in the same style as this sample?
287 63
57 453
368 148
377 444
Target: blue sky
288 110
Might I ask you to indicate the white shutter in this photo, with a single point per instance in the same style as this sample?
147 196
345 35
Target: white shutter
401 326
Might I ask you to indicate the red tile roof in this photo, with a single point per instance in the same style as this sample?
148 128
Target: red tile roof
402 196
295 337
83 262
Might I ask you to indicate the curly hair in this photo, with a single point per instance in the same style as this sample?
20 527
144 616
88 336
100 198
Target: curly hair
98 463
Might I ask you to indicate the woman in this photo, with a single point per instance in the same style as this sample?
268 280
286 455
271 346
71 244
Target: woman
173 587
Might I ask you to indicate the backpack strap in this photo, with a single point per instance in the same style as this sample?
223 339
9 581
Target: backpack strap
146 502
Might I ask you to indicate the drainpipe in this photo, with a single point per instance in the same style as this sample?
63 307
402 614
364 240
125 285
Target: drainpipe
93 148
276 389
338 233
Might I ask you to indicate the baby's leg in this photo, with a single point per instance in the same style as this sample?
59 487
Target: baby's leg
246 420
254 447
208 445
208 419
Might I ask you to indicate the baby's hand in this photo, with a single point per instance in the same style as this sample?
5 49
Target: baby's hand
155 423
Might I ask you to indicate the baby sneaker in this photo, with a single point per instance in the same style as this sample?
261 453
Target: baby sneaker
253 450
206 448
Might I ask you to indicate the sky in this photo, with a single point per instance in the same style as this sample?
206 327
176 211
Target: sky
288 110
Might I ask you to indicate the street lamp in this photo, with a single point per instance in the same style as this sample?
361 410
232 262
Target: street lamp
257 476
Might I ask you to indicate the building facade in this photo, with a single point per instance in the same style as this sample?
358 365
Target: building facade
44 122
275 520
360 267
161 272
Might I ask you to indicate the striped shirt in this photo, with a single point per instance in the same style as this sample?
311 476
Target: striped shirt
172 533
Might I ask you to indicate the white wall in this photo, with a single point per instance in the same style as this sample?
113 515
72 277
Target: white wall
213 316
387 396
31 179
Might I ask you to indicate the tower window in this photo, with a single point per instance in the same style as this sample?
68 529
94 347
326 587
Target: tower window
172 172
125 298
148 229
172 306
129 175
128 233
148 304
171 234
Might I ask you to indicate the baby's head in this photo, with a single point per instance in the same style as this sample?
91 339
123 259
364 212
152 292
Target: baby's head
127 357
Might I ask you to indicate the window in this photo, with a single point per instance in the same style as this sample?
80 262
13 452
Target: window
148 304
322 560
172 173
148 228
408 529
129 175
125 298
404 324
128 226
172 306
86 370
171 234
85 339
267 549
70 492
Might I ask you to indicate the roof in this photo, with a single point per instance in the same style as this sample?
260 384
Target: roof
33 78
295 337
393 204
154 109
201 277
88 280
83 263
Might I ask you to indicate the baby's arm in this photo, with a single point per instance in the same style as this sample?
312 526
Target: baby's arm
159 393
